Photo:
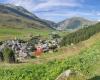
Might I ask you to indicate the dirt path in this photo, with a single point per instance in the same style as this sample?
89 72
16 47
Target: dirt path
66 52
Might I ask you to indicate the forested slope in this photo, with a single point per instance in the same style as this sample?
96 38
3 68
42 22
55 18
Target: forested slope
81 35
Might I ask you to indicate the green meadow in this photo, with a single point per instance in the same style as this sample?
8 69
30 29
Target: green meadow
87 63
11 33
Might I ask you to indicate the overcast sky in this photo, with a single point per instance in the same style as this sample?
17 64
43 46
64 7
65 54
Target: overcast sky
58 10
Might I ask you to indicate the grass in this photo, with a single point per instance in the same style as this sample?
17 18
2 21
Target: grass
85 63
21 33
11 33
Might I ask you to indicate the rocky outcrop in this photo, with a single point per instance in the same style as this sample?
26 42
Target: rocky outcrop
70 75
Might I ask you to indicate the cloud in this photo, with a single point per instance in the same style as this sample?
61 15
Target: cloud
57 16
58 10
57 3
98 14
33 5
67 13
28 4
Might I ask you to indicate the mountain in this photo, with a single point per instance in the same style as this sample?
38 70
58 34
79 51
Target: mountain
74 23
17 16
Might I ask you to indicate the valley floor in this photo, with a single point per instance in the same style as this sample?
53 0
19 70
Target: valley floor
20 33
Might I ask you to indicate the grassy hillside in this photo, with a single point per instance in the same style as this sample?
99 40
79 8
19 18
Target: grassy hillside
69 51
17 16
11 33
9 20
87 62
12 26
23 33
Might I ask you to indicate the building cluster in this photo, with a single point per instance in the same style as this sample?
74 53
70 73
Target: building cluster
27 49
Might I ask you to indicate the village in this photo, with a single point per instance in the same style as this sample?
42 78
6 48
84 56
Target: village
26 49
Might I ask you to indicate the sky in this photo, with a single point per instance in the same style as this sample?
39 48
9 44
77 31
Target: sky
58 10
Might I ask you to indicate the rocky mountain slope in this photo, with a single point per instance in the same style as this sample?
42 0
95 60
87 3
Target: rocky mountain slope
74 23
